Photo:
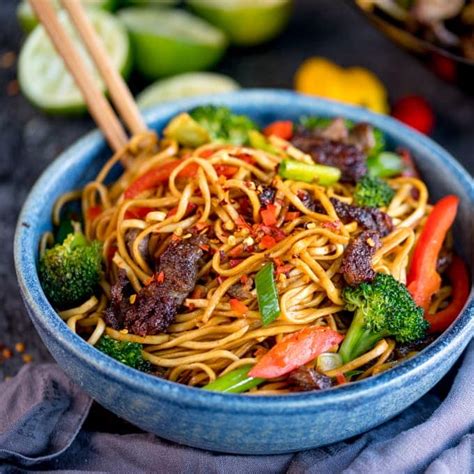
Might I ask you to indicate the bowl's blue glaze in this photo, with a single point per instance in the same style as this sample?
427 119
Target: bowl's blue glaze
236 423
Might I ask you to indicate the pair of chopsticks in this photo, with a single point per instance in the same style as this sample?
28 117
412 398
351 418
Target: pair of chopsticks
100 109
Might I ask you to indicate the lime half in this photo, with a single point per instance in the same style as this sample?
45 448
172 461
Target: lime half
28 19
246 22
167 42
42 75
185 85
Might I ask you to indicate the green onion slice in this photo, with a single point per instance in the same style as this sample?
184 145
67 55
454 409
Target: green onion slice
385 165
309 172
267 294
236 381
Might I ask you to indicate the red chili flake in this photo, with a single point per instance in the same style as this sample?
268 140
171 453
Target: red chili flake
291 216
160 277
267 242
238 306
331 225
201 225
283 269
197 293
240 221
277 261
233 262
244 279
149 280
237 251
269 215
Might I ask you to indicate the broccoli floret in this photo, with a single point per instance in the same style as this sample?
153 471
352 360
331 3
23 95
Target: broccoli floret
129 353
222 125
371 191
70 272
382 308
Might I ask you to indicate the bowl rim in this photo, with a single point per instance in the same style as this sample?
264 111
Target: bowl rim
43 314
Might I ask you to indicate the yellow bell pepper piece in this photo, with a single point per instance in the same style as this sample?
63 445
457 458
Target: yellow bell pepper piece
356 85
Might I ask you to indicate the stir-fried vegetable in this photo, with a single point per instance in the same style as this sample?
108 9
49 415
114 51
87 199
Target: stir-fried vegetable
157 176
236 381
70 272
260 142
459 278
129 353
385 164
308 172
382 308
281 128
312 122
423 279
186 131
295 350
267 294
371 191
222 125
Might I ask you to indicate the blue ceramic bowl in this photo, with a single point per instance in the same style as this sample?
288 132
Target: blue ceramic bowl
239 423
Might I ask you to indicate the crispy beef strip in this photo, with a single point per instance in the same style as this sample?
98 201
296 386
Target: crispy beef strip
305 379
267 195
345 156
367 217
156 305
357 259
402 350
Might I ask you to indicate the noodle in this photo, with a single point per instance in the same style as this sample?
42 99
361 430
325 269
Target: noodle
208 338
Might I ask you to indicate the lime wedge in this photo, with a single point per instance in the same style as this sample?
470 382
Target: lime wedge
167 42
28 19
185 85
246 22
42 74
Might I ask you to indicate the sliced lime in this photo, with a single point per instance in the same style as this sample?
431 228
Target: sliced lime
28 19
42 74
246 22
185 85
168 42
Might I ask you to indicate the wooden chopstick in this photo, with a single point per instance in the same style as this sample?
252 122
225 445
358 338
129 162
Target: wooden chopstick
120 93
99 108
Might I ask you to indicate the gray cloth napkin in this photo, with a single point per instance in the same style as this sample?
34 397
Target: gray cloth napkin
41 428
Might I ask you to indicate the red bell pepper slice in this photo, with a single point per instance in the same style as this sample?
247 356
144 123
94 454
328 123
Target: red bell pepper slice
295 350
281 128
157 176
226 170
423 280
238 306
459 277
137 212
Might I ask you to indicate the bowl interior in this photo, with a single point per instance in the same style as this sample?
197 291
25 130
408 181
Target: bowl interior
83 160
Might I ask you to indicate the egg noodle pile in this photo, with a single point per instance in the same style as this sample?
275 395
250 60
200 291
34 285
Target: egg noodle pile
208 337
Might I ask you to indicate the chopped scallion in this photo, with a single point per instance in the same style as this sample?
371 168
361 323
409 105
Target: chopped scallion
236 381
267 294
309 172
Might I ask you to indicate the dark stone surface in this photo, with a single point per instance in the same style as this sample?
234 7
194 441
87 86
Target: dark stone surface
29 140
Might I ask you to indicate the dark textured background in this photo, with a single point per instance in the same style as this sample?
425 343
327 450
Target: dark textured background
29 140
